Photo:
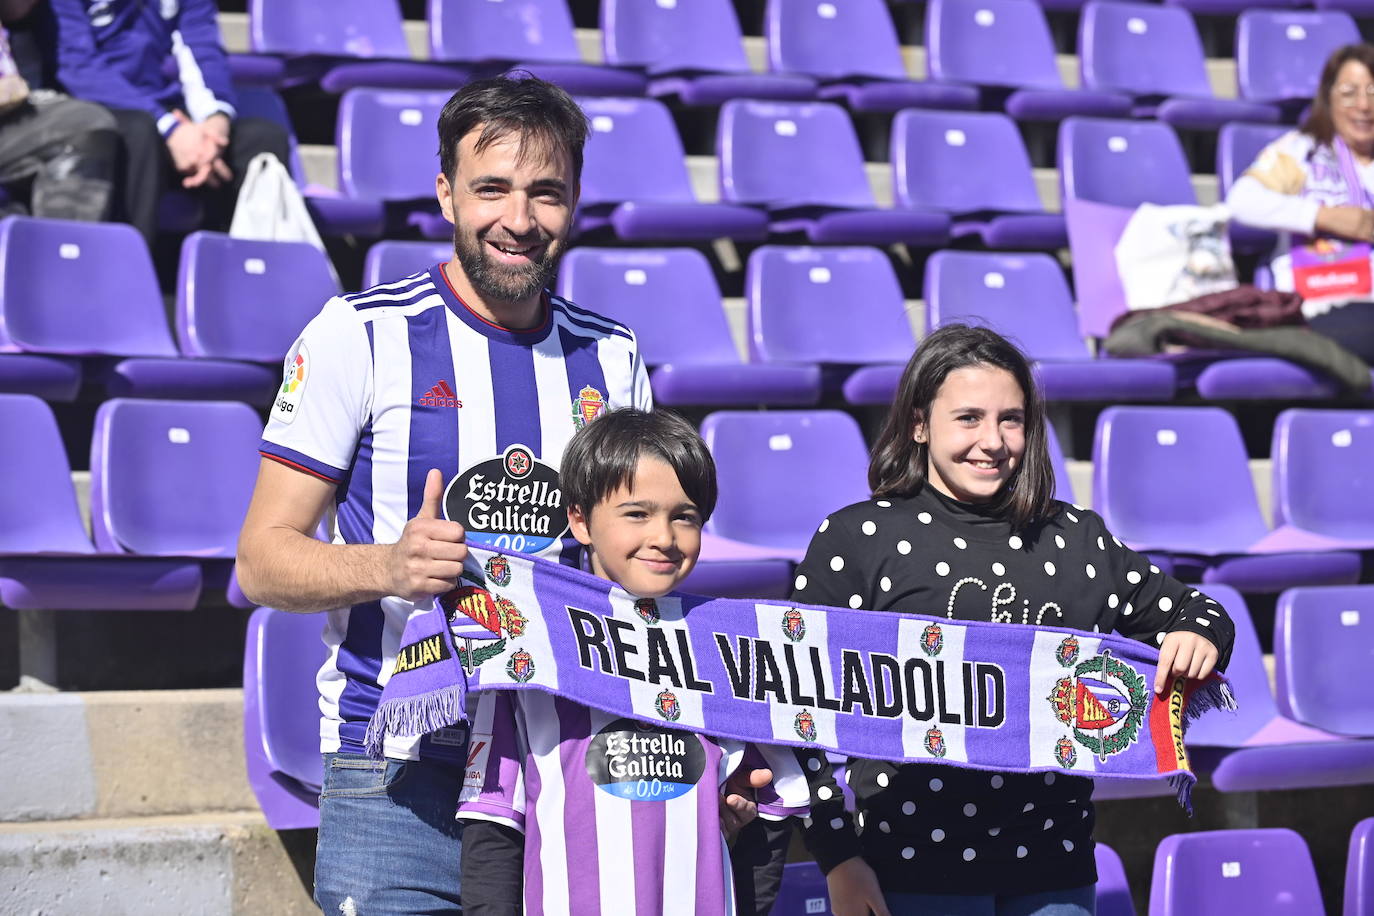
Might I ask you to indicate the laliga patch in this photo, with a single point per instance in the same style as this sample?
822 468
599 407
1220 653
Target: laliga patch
295 371
641 762
513 502
479 749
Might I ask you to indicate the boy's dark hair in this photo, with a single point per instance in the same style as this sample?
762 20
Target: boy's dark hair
898 465
604 454
529 107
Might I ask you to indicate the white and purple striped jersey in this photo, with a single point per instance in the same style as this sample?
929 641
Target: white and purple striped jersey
619 815
387 383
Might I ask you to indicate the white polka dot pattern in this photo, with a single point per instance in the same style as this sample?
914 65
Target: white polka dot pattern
868 528
837 563
800 582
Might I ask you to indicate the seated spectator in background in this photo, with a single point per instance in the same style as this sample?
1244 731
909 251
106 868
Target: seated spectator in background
182 125
62 149
1315 186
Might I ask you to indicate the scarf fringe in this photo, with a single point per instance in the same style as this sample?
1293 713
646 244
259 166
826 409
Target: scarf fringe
1214 694
1182 783
408 717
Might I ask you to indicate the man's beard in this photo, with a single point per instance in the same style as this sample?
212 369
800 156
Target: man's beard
500 282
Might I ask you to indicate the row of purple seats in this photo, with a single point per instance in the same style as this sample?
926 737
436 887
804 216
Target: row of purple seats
170 482
240 304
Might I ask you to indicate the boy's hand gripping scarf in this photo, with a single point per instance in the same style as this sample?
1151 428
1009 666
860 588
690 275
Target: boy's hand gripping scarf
892 686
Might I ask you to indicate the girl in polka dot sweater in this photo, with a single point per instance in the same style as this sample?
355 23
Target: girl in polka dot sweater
963 525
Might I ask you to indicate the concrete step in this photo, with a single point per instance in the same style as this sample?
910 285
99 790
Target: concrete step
225 863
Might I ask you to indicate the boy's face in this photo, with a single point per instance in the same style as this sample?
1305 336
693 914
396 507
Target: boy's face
645 536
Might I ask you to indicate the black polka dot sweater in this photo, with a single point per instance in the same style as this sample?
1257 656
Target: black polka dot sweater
928 828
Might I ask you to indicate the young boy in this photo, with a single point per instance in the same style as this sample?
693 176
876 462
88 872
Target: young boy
638 487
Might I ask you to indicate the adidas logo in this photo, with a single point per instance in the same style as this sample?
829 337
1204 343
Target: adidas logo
441 395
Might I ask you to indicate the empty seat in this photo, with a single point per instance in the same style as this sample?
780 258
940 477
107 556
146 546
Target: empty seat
782 473
248 299
693 51
1005 47
1261 872
532 35
53 378
1113 892
635 182
823 191
1177 480
1238 145
670 298
973 165
1280 53
1323 495
803 890
172 478
1025 297
388 157
852 48
1323 641
391 260
281 715
1154 53
791 296
1359 870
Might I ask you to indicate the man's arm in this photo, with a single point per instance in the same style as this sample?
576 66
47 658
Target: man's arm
282 565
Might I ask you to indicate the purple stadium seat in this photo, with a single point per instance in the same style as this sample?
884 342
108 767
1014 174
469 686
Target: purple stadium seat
391 260
281 715
532 35
1237 147
1323 497
670 298
781 474
1364 9
1154 53
53 378
975 166
1004 46
692 50
172 478
1125 163
1359 871
1063 486
1025 297
792 296
1280 53
852 48
1323 640
803 890
247 299
1177 480
824 190
388 156
635 181
344 44
1113 892
1260 872
46 559
50 307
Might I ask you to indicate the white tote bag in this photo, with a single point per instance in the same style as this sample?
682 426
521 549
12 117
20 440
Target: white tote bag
270 206
1170 254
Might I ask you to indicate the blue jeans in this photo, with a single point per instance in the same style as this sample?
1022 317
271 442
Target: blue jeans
388 838
1078 901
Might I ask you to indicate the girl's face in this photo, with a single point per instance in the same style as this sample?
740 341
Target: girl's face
975 434
1352 108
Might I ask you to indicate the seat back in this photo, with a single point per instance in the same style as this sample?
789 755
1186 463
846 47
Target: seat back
1323 640
1175 478
780 474
1113 892
248 299
991 43
38 509
1249 680
1261 871
816 140
172 478
1021 296
1063 485
1238 145
387 149
392 260
512 30
83 289
794 296
1126 163
1321 464
1359 870
961 162
803 891
633 152
856 38
673 35
1143 49
668 295
341 28
1280 53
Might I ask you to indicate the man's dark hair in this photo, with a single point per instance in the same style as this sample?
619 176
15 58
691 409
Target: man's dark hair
603 456
898 466
529 107
1319 125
